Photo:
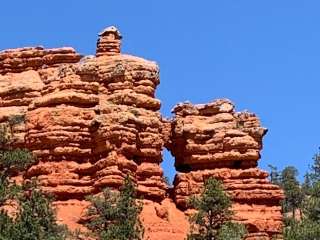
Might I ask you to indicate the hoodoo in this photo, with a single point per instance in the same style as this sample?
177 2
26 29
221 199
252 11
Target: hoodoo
90 121
212 140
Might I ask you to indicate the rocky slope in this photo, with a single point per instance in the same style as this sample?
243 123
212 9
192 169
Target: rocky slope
92 120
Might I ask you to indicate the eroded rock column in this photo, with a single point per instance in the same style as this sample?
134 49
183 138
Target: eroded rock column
109 42
21 83
130 128
59 134
212 140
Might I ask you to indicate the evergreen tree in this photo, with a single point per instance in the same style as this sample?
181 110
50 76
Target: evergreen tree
302 230
311 187
312 204
231 231
306 185
274 175
35 219
212 221
115 215
11 161
293 193
7 226
305 197
315 168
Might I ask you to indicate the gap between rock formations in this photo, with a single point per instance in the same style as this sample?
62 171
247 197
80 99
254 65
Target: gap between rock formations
92 120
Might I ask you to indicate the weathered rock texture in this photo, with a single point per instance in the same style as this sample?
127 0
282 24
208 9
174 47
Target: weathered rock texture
91 121
35 58
109 42
212 140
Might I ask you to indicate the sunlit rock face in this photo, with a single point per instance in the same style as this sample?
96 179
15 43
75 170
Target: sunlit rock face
212 140
21 83
92 120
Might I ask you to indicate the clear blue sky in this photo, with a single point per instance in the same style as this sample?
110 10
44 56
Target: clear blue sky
263 55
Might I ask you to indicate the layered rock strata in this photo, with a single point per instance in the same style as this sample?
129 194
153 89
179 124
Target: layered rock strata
34 58
130 125
109 42
17 91
212 140
21 83
59 134
91 121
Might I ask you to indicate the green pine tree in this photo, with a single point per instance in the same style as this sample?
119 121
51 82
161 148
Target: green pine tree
293 193
35 219
304 197
7 226
274 175
115 215
12 161
312 204
315 168
212 221
306 185
302 230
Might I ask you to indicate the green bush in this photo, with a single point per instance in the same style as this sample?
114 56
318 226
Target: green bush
212 221
115 215
34 218
302 230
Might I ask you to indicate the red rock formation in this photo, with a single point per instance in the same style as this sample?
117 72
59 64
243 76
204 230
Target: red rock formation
91 121
34 58
109 42
20 84
164 221
17 91
95 122
212 140
130 124
59 134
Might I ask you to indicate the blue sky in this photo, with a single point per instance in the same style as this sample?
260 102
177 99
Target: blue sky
263 55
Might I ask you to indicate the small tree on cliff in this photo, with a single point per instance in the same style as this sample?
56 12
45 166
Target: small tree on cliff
212 221
36 218
32 217
115 215
11 161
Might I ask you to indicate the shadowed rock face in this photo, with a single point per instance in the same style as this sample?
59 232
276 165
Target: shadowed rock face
91 121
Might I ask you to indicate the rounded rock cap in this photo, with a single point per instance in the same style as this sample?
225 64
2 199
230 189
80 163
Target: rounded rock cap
112 30
109 42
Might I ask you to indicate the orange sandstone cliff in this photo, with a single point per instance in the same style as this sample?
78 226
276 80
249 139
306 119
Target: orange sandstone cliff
92 120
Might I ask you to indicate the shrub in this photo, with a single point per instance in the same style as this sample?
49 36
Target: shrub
212 221
115 215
